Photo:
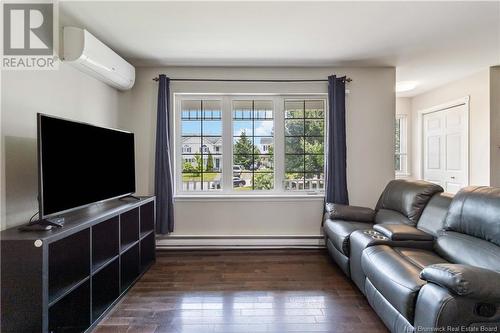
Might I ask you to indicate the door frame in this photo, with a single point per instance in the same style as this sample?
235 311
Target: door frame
441 107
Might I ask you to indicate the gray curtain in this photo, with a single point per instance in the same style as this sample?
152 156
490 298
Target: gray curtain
336 173
163 169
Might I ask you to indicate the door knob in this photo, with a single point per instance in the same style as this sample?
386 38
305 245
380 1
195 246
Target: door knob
452 177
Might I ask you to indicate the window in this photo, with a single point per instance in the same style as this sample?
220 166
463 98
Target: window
267 144
201 131
252 130
400 146
304 145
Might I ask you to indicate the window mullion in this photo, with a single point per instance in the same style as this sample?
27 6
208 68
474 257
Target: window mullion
177 145
227 145
279 143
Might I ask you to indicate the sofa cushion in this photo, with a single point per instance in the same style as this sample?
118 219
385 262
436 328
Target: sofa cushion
475 211
407 197
463 249
419 257
386 216
395 274
338 232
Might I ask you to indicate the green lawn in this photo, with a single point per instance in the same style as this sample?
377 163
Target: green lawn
207 177
244 188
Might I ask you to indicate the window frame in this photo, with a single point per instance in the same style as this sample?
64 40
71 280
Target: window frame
226 100
403 144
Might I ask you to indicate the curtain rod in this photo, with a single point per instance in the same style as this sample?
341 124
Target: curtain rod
348 79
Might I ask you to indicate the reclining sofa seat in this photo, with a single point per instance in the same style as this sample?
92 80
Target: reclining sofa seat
421 236
402 202
455 284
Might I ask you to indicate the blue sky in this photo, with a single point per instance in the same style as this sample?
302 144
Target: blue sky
214 127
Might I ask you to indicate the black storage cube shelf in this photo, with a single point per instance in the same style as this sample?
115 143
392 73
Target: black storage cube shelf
65 280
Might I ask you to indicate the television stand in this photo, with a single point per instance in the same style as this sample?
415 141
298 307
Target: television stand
43 225
57 222
67 279
130 196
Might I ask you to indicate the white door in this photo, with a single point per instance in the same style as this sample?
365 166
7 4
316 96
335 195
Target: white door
446 148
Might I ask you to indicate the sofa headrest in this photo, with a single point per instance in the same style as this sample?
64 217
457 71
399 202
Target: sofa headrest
434 214
408 197
475 211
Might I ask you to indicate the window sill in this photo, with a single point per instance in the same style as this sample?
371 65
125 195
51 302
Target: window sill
247 197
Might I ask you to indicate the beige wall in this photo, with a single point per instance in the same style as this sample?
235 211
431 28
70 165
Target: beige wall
495 125
370 119
477 87
403 106
66 93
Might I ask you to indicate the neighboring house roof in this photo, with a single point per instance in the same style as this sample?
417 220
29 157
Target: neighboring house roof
206 140
266 141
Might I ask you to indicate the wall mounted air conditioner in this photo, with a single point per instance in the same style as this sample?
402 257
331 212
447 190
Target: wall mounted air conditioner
93 57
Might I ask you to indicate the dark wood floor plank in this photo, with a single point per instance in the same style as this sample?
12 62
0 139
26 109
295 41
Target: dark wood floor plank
242 291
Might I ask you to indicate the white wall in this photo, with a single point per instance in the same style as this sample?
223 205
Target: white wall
66 93
370 119
495 125
477 87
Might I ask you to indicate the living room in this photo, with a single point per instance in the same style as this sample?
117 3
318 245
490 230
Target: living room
250 166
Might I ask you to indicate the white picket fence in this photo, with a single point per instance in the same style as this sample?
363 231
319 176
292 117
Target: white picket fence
288 184
308 184
193 185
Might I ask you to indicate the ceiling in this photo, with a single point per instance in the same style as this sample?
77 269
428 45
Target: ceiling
429 42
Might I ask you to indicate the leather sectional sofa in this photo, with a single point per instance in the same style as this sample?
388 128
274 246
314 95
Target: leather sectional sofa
426 262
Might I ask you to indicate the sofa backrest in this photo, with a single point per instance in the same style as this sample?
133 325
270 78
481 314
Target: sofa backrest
472 228
434 214
404 197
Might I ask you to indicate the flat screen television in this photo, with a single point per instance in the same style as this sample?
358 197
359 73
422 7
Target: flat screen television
80 164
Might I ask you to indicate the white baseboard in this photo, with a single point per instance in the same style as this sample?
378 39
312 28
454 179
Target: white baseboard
239 242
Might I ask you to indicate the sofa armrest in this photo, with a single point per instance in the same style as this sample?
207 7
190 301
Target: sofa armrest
349 213
464 280
402 232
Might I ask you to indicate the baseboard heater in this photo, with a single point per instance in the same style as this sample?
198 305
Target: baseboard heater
239 242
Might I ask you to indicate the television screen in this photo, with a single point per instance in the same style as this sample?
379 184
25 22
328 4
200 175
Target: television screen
80 164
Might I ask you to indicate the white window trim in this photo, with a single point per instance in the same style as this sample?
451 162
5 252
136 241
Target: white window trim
227 146
403 141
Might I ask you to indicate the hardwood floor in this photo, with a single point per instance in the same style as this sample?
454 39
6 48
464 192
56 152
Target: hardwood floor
243 291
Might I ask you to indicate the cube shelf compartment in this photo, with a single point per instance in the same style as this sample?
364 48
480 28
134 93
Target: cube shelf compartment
105 242
130 267
67 279
129 228
105 287
147 250
147 218
68 263
72 312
